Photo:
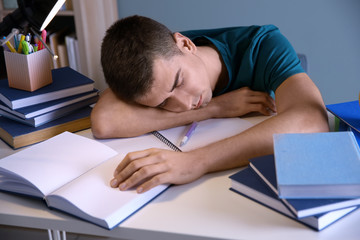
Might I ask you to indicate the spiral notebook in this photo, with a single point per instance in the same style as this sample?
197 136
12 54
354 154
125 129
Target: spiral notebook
207 132
166 141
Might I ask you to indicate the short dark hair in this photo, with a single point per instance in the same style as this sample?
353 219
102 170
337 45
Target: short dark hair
128 50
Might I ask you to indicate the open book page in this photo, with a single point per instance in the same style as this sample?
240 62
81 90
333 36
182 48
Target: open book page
90 196
207 131
50 164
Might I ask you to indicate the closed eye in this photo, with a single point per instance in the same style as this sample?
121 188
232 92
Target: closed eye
177 84
181 83
161 105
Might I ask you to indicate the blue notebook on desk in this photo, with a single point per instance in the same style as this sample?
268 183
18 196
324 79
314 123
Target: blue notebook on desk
264 167
317 165
66 82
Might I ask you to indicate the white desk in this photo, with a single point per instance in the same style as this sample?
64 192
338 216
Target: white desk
204 209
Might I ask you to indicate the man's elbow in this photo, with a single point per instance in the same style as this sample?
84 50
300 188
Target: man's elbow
100 126
316 120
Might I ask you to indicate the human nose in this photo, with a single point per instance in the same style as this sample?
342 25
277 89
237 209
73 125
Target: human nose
181 102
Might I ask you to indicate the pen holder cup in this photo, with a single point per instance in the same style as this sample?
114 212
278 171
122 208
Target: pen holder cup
28 72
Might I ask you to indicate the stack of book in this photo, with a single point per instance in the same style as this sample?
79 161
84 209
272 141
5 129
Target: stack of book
31 117
312 178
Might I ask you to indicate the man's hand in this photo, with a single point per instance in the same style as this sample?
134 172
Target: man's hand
242 101
149 168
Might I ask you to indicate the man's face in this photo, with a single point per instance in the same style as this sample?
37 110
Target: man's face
180 84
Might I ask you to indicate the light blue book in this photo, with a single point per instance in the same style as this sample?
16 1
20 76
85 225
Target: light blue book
317 165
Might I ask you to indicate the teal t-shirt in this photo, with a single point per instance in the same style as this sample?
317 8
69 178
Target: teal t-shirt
259 57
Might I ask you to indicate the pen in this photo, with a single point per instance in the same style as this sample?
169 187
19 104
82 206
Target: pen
16 42
10 46
22 38
43 38
188 134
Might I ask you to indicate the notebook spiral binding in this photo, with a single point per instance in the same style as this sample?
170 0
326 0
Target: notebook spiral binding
166 141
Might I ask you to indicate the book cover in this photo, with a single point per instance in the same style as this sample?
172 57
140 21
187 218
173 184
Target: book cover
18 135
52 115
246 183
264 167
349 112
66 82
317 165
72 174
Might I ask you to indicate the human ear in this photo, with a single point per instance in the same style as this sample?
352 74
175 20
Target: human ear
184 43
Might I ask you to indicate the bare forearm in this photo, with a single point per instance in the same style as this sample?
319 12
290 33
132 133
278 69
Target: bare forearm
113 118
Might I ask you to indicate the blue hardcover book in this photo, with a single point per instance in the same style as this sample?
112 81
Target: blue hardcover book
39 109
317 165
19 135
348 112
264 167
50 116
66 82
246 183
356 134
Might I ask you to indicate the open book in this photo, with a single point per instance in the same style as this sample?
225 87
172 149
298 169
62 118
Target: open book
72 173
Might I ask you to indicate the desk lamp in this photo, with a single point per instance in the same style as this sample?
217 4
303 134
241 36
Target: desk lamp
34 13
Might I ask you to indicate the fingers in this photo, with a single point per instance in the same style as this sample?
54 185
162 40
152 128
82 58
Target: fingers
148 176
260 102
142 169
262 109
129 158
153 182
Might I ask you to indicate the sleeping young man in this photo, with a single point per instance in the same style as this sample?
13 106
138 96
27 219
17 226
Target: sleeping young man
159 79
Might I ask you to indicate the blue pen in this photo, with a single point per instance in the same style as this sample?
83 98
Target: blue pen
188 134
16 42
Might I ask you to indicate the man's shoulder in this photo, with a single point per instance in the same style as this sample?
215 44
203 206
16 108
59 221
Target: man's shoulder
242 30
